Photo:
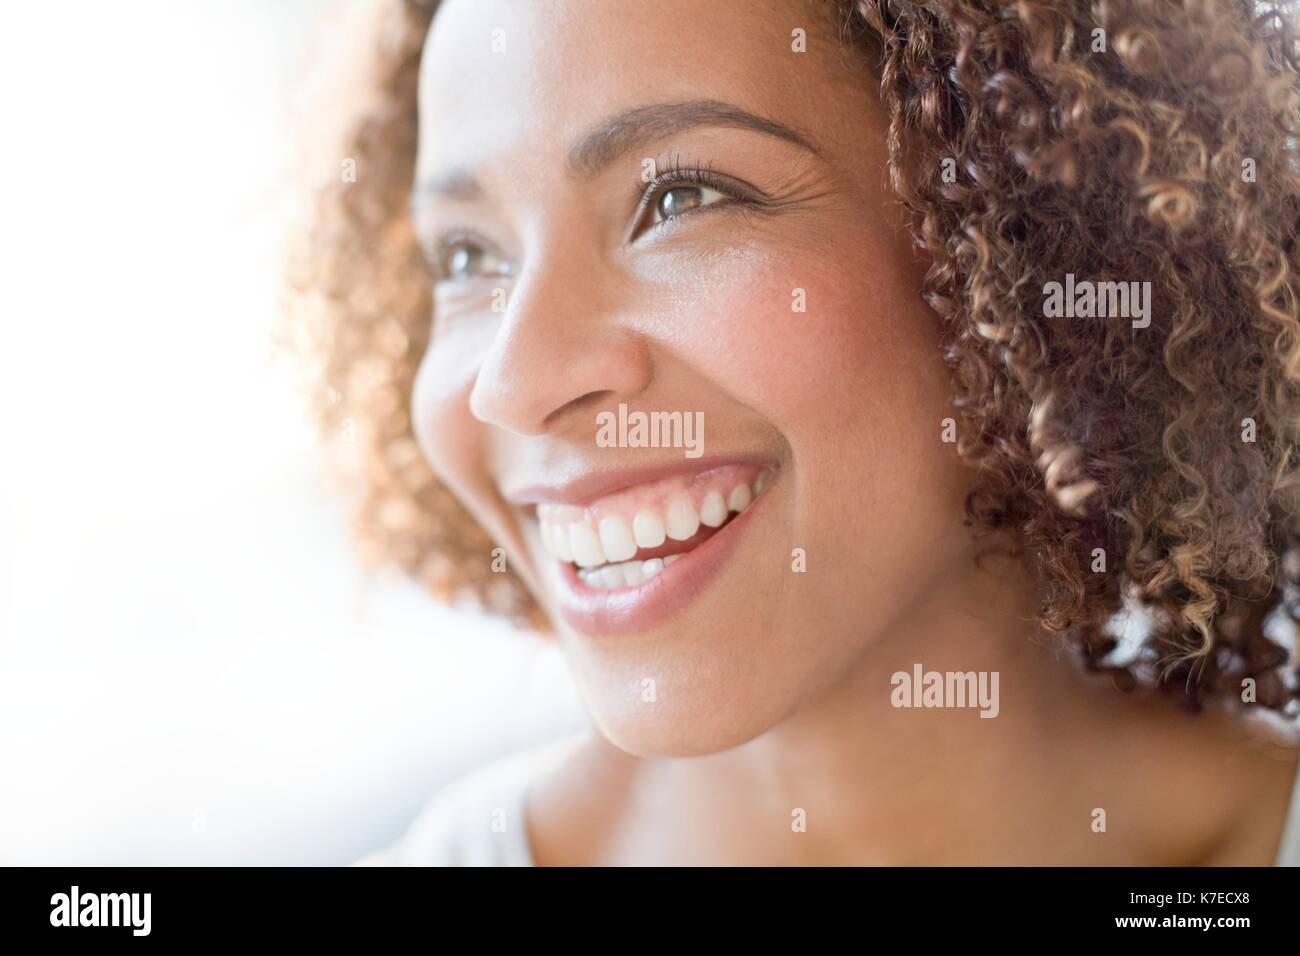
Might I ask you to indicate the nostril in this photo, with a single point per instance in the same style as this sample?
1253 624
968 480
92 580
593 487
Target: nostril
591 402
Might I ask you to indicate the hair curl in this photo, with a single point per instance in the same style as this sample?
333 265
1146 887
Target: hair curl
1119 140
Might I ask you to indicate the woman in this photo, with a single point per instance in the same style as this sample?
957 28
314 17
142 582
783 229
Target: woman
890 407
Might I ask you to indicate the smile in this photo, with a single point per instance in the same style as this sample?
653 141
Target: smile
628 558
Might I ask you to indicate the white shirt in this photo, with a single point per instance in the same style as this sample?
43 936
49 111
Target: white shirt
479 819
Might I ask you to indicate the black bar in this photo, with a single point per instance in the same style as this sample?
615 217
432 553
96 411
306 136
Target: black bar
338 905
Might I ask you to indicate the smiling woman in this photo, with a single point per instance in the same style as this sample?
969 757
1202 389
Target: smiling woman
826 230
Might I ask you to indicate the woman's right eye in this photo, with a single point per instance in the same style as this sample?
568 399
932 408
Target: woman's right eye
465 258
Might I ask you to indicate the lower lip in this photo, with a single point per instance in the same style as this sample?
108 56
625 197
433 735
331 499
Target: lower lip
600 613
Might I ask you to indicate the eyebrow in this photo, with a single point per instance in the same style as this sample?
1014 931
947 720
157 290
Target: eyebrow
620 134
457 184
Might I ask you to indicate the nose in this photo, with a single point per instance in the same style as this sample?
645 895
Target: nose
562 344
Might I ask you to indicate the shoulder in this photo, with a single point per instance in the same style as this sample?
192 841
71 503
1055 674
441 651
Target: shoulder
478 819
1288 843
1262 782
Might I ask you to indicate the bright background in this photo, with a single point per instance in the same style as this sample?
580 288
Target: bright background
193 666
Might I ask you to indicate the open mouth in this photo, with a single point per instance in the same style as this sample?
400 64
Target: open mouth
623 540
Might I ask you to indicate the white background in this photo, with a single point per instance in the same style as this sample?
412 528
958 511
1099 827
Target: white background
193 667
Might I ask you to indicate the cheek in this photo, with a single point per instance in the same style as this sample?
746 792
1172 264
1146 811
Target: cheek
857 388
446 431
826 344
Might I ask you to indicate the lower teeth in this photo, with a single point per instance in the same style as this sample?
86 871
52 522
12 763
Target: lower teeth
625 575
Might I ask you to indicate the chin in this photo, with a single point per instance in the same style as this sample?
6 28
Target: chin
700 717
707 686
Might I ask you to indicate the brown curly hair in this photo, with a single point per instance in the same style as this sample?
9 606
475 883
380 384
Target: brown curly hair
1118 140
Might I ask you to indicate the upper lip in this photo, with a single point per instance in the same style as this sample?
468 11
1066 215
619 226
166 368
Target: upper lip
588 486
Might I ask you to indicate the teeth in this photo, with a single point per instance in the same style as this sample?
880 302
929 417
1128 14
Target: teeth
713 510
648 530
629 574
562 543
556 539
616 539
613 543
633 573
683 520
739 498
586 546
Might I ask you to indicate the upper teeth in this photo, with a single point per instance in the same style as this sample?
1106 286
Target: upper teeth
614 540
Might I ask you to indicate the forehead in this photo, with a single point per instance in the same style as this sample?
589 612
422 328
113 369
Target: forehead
523 78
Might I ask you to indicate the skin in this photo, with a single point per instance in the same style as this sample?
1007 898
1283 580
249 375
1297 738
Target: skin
776 683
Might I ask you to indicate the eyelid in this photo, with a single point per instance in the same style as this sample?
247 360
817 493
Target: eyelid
696 175
445 240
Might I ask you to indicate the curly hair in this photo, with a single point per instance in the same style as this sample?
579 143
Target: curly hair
1139 469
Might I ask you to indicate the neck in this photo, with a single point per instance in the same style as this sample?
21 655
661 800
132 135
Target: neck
853 778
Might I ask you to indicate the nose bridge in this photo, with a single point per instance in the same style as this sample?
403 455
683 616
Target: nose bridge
563 337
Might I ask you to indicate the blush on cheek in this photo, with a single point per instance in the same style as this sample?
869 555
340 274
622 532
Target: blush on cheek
806 339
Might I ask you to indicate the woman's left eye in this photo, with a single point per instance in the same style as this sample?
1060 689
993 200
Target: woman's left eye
460 258
677 200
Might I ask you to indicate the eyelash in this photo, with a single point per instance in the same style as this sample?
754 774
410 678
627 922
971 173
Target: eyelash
675 175
435 256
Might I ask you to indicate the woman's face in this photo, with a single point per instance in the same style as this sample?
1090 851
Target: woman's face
677 207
